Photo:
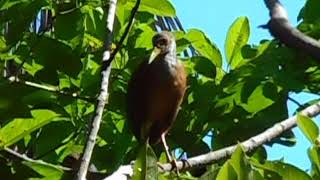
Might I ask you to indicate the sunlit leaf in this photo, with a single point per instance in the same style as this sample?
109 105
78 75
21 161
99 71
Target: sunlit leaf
45 170
308 127
237 37
151 6
19 128
204 46
227 172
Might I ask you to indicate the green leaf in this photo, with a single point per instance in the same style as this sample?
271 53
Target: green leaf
20 127
145 166
211 173
69 25
227 172
258 101
286 171
48 171
2 43
204 46
308 127
237 37
153 7
311 13
144 40
55 55
240 164
314 156
204 66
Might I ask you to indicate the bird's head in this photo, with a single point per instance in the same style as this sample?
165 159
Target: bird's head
163 43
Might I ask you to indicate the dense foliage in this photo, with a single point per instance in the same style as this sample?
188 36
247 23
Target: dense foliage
53 73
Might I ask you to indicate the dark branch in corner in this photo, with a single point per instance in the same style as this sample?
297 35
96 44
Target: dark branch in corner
296 102
280 27
103 96
248 145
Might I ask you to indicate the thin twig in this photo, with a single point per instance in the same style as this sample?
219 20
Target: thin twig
248 145
14 79
105 73
101 101
296 102
127 30
26 158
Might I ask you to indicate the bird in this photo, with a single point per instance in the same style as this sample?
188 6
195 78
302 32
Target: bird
155 92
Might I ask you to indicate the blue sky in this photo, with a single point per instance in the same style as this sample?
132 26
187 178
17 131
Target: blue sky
215 17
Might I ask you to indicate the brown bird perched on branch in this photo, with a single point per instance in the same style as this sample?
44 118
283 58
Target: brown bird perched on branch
156 91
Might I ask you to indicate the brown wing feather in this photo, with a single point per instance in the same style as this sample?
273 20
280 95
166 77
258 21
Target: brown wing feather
153 102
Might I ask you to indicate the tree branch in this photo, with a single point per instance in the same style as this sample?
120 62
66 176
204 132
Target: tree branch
105 73
280 27
14 79
101 101
248 145
26 158
127 30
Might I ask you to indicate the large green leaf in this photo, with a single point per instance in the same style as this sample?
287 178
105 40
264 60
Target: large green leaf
258 100
284 170
311 13
55 55
21 127
145 167
69 25
152 6
308 127
204 46
227 172
239 163
237 37
47 171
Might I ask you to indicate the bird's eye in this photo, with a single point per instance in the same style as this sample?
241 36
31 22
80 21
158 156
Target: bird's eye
162 42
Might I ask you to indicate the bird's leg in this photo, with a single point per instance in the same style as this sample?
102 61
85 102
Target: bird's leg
170 159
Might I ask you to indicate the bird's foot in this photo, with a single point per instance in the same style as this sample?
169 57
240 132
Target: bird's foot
174 166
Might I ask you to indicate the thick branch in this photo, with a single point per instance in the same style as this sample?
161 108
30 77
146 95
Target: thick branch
248 145
81 175
280 27
105 73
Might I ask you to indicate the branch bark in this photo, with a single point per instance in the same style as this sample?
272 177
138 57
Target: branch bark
248 145
52 89
102 98
105 73
26 158
280 27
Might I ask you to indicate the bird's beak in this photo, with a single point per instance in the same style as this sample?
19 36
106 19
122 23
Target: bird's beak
156 51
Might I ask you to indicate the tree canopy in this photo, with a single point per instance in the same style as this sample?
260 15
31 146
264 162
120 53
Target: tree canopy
51 59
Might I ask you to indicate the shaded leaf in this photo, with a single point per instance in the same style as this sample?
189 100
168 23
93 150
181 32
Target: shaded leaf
145 166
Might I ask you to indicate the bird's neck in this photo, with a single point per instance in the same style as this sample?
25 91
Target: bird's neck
171 56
